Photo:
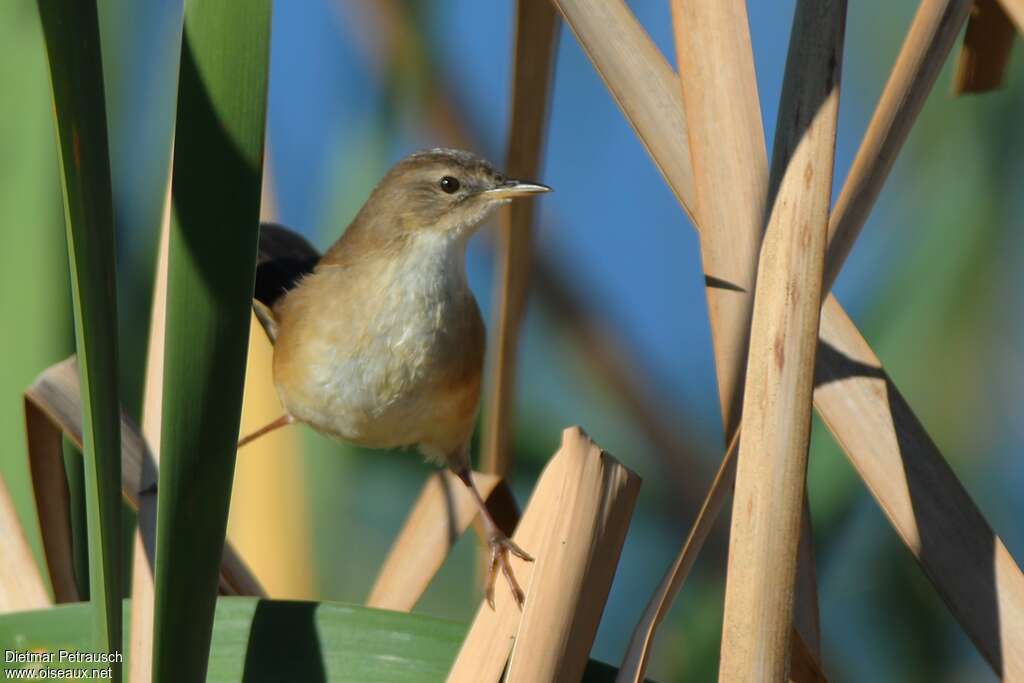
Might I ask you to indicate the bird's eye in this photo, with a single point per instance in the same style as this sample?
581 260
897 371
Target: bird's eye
449 184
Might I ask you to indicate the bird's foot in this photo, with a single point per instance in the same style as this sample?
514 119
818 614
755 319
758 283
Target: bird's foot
501 547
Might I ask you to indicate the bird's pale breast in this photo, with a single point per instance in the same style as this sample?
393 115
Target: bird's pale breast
386 352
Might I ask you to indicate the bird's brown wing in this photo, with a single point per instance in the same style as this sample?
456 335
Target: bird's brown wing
283 258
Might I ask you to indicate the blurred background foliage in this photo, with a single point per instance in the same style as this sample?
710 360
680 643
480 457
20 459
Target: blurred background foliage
931 284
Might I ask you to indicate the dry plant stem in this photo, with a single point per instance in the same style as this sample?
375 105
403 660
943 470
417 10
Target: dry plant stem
444 510
634 663
585 19
484 652
53 409
140 667
21 585
928 43
901 101
986 49
719 86
575 571
726 141
575 522
633 65
53 507
772 465
535 43
1015 9
919 493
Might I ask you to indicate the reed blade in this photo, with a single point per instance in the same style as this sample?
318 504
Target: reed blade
72 38
215 206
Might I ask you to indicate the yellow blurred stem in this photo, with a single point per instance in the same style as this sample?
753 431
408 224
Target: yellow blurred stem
269 519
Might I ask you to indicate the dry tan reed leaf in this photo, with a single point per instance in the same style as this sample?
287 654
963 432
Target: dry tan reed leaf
442 512
53 506
55 393
574 525
769 504
921 496
730 171
533 73
986 49
21 585
642 83
929 41
53 409
861 426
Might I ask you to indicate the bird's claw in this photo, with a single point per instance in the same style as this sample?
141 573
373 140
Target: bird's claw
501 547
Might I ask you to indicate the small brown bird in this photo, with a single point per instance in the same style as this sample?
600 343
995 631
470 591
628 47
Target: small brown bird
380 342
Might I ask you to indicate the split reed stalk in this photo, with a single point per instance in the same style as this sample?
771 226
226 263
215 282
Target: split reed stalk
776 420
574 524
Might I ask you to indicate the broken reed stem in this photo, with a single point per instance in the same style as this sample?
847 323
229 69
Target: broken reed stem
986 49
772 465
574 524
576 566
532 78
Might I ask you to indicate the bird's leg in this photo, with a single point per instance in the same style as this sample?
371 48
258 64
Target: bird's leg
282 421
501 545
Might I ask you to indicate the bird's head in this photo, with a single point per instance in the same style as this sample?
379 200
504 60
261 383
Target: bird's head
441 190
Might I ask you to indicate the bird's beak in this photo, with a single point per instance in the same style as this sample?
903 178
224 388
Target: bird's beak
516 188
